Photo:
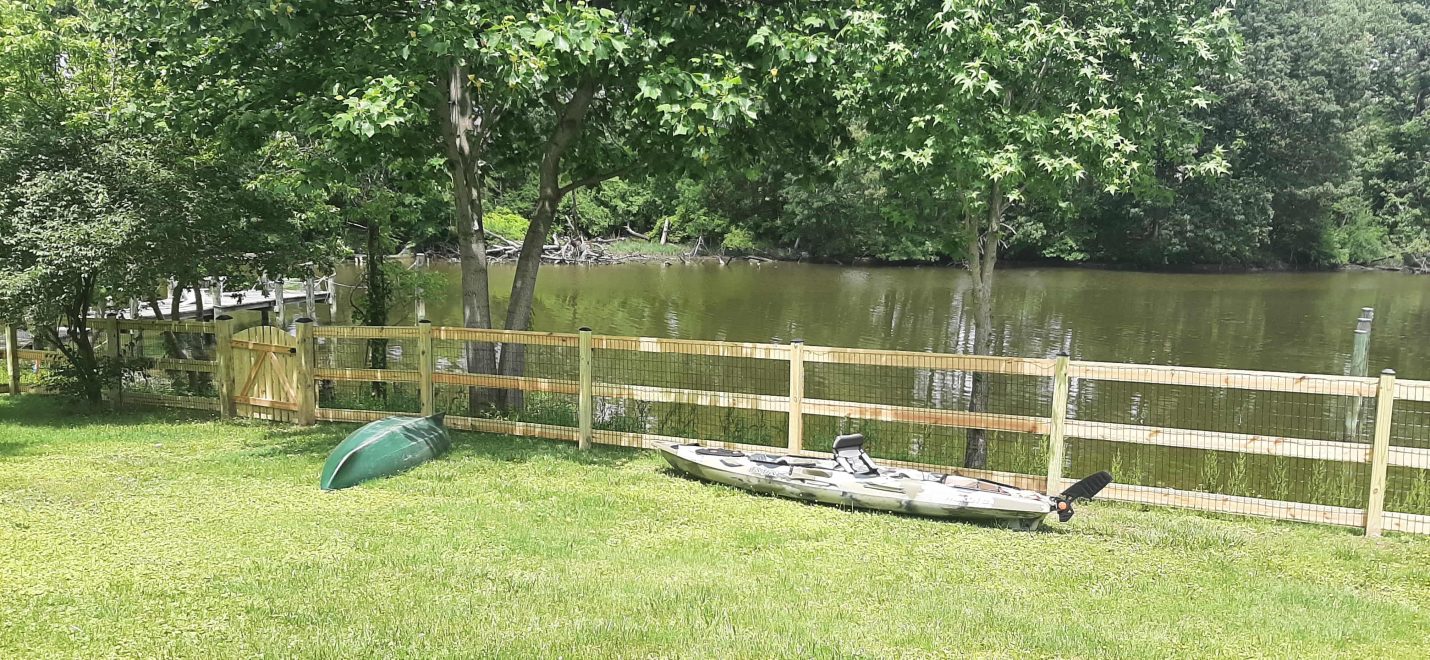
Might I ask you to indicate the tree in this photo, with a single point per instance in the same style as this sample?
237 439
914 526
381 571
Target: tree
578 92
996 105
98 202
1394 167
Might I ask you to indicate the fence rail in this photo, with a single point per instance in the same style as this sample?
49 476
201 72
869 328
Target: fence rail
634 391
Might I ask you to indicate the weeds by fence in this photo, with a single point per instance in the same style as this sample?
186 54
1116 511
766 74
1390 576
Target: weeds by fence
1322 448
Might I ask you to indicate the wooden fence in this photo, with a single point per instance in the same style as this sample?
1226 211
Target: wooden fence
294 374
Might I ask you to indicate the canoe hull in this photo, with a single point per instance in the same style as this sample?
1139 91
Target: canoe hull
913 492
383 448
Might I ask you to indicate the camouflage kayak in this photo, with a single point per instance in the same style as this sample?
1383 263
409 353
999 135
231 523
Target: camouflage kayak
382 448
852 479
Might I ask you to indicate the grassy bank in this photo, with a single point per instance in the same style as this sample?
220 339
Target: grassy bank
157 534
653 249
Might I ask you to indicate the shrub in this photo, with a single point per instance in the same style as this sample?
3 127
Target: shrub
506 224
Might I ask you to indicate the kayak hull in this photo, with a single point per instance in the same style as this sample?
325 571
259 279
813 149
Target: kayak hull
383 448
897 490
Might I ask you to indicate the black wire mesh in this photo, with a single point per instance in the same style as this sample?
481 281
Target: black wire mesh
677 373
1302 448
1407 489
557 406
920 382
385 395
143 351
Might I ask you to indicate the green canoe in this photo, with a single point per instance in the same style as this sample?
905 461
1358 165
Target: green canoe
382 448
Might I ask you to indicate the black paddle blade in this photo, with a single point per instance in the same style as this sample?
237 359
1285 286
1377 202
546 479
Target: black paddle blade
1090 485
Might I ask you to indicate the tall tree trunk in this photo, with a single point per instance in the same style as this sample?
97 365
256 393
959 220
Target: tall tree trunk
79 350
463 142
548 199
984 234
375 303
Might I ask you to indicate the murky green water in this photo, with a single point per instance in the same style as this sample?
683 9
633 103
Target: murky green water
1299 322
1271 321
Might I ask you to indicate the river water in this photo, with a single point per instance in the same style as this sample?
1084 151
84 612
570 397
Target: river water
1297 322
1267 321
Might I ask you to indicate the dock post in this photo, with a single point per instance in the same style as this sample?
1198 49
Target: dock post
419 262
1359 366
309 307
216 294
586 405
279 298
223 345
12 358
796 396
425 367
1380 452
303 375
1057 419
115 353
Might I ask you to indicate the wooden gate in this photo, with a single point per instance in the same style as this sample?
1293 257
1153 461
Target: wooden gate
265 365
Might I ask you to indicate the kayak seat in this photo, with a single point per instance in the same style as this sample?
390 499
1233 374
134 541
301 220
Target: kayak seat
849 454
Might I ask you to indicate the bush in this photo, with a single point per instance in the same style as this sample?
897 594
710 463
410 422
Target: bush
1359 239
64 378
738 239
506 224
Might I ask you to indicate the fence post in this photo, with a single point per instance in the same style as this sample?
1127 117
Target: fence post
1057 419
1380 452
303 375
116 353
223 348
586 405
12 358
796 396
424 367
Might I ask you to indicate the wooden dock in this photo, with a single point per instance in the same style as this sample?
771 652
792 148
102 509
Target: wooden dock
271 296
228 301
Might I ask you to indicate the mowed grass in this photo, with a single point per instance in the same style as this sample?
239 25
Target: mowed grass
154 534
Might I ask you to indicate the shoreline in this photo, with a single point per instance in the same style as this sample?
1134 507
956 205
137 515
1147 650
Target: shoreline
681 255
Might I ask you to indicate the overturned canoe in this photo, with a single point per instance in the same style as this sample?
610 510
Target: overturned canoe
382 448
852 479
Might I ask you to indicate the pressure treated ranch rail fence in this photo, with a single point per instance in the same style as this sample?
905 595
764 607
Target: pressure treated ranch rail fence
268 373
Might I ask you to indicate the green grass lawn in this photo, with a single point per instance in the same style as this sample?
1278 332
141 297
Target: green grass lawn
152 534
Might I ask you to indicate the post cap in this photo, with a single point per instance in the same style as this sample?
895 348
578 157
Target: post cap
424 321
111 315
1062 353
1388 372
224 317
303 319
796 341
583 329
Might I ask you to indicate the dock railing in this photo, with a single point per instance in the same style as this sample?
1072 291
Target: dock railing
1258 443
